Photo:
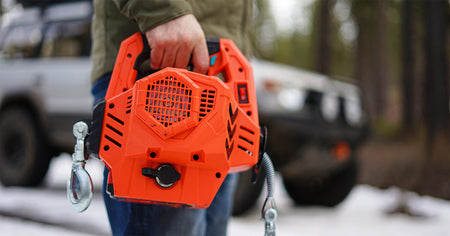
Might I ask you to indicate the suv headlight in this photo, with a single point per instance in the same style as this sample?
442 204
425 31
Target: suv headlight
353 111
291 99
280 96
329 106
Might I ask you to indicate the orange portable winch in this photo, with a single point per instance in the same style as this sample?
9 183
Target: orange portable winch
172 137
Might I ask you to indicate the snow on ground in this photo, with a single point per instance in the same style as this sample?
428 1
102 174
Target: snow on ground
46 211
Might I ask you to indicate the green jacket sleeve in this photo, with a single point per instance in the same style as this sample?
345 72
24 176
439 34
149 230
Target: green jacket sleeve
150 13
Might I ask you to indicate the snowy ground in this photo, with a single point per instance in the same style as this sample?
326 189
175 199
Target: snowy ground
46 211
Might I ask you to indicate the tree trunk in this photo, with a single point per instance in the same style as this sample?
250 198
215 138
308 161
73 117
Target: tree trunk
408 65
436 100
323 47
436 71
363 13
380 71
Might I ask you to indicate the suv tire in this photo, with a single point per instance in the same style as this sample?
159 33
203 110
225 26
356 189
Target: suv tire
24 153
327 192
246 193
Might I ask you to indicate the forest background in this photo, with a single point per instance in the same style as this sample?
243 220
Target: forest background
398 52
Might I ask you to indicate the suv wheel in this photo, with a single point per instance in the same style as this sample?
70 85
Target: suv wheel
24 154
247 193
328 191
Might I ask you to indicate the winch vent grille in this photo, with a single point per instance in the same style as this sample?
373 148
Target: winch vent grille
207 99
168 100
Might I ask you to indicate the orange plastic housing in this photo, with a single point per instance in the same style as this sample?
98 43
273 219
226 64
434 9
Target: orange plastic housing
202 126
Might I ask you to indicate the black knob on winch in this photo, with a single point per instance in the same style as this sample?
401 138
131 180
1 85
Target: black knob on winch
165 176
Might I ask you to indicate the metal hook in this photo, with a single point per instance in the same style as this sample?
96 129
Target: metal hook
79 186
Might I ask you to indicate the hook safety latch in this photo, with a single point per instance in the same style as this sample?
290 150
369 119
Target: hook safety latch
79 186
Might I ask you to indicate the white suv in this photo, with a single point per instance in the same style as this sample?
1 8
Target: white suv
44 86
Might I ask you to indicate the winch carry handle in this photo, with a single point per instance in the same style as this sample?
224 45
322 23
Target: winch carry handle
226 61
132 53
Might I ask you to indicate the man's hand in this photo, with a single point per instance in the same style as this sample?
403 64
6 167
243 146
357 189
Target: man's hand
174 42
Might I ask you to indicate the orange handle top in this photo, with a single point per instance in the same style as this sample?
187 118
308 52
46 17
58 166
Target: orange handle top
124 74
238 75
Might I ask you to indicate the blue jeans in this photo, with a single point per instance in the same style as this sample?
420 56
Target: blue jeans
128 218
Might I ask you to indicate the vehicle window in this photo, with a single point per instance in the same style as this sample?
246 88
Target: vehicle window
21 41
66 39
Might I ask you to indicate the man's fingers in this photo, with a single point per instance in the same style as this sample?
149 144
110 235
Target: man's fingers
200 58
168 59
183 57
174 42
180 58
156 56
